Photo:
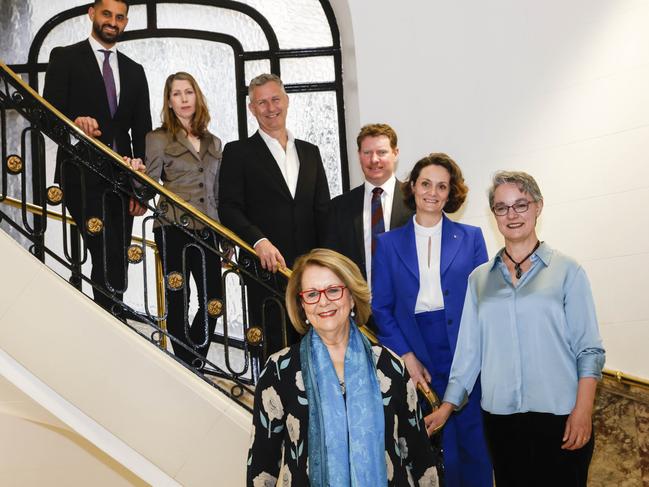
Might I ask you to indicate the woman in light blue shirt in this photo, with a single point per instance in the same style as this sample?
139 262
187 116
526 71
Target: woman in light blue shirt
529 329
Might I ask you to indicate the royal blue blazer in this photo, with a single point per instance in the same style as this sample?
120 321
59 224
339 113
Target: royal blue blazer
395 283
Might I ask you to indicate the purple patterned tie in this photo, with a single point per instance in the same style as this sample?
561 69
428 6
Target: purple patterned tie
109 82
378 226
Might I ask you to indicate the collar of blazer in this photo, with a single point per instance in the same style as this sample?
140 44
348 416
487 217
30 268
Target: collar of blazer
182 145
406 246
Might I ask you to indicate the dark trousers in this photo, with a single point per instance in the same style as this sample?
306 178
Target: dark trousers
87 196
180 253
526 451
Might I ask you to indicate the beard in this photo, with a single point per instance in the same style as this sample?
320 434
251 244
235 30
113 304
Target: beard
106 37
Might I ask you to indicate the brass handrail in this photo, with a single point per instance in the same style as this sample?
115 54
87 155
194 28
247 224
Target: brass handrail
200 216
39 210
624 378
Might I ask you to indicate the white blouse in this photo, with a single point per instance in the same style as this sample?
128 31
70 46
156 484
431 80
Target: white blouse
429 252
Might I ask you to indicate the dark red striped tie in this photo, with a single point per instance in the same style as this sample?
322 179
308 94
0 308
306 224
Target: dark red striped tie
378 226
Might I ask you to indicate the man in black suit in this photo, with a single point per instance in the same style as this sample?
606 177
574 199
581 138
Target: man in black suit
273 191
350 215
106 94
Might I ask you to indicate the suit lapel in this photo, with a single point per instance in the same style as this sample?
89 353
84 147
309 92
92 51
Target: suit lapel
123 87
268 162
452 237
400 211
406 248
356 210
304 170
184 141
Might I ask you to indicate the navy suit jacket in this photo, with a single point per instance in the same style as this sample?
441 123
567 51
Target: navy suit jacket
346 235
395 283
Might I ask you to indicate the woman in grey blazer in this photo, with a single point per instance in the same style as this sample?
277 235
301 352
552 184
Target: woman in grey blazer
186 157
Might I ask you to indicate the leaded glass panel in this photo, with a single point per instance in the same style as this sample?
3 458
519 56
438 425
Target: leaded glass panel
318 69
213 19
297 24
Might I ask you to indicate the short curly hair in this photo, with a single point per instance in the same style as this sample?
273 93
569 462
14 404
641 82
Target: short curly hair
458 190
346 270
377 130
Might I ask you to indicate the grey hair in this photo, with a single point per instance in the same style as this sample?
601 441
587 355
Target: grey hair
523 181
261 80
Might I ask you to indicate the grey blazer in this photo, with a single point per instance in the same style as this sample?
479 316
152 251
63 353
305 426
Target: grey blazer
193 176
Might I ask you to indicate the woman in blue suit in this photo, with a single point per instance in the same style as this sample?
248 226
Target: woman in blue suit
419 278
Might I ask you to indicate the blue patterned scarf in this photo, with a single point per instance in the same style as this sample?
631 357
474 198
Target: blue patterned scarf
346 440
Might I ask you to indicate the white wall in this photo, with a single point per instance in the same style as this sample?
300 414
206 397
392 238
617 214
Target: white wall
559 89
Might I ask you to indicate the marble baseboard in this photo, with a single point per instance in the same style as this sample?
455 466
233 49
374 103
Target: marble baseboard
621 420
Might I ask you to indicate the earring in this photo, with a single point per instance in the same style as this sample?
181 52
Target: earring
353 314
307 321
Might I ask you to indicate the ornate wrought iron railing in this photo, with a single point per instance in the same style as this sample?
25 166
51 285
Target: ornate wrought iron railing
26 122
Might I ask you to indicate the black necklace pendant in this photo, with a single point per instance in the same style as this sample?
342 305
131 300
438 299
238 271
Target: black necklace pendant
519 271
517 265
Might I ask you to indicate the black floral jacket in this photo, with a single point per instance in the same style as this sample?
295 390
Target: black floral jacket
278 450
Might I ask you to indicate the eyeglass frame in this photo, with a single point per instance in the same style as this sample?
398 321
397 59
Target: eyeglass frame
342 287
527 204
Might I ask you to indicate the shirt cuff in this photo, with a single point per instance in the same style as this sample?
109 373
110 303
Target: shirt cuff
590 363
455 394
260 240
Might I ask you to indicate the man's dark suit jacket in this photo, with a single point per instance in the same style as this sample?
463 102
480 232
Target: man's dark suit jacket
75 86
345 234
255 202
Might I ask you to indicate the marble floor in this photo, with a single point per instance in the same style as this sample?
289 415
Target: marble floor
621 420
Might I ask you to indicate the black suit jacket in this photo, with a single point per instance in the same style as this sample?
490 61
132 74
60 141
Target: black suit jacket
75 86
255 202
345 233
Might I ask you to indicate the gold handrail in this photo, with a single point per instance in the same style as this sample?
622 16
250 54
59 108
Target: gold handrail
624 378
200 216
53 215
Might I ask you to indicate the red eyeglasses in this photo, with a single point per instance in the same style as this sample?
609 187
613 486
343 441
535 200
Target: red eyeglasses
312 296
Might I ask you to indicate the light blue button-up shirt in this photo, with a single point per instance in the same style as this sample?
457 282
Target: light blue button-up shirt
530 343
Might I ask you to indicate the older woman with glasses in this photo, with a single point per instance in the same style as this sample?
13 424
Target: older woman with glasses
332 410
529 329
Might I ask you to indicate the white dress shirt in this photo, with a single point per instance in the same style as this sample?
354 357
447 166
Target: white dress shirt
287 161
429 254
386 201
112 60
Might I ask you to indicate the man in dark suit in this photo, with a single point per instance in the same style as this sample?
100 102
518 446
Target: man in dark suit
273 191
350 216
106 94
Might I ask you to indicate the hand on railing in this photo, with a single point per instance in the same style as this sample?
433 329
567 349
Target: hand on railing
89 126
136 163
437 419
271 258
135 208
